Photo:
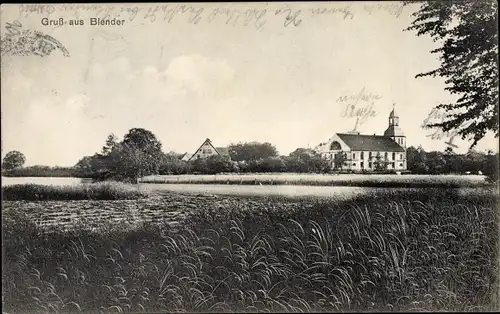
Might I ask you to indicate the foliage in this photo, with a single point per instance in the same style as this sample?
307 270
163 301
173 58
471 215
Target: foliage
468 34
130 162
42 171
339 159
401 251
94 191
252 151
96 167
380 163
306 160
422 162
270 164
13 160
213 164
138 155
172 164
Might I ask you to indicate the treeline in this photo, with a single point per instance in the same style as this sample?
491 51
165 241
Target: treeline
421 162
140 154
301 160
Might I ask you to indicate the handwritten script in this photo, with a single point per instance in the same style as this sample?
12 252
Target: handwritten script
358 105
437 116
232 15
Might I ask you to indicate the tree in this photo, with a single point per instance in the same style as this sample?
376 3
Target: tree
490 167
129 161
380 163
172 164
436 162
416 160
469 62
338 160
218 164
95 167
111 142
270 164
13 160
252 151
142 139
306 160
138 155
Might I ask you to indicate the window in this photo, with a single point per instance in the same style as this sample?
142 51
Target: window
369 165
401 164
393 165
353 155
362 155
362 165
335 146
354 164
401 156
385 155
370 155
393 156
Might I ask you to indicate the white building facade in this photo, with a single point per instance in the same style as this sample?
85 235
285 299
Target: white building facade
367 152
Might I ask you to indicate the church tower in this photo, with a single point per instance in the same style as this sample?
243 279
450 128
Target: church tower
394 131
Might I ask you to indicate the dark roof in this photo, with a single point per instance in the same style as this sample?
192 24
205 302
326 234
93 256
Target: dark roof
370 142
224 151
393 130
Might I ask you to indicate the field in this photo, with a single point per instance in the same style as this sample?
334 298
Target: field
383 250
360 180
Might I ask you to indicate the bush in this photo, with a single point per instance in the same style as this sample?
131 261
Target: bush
270 164
174 166
93 191
213 165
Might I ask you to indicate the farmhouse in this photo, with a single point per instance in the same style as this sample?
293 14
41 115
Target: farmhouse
354 151
206 150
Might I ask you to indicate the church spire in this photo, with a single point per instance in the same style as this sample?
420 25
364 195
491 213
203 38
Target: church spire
394 131
393 116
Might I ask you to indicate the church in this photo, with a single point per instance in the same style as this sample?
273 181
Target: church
367 152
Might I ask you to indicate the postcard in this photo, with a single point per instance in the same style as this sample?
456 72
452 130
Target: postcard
257 157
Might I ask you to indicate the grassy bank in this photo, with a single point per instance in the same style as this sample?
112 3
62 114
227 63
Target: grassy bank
94 191
374 180
397 251
42 171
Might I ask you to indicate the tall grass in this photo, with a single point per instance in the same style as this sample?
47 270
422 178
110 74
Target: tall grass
399 251
373 180
93 191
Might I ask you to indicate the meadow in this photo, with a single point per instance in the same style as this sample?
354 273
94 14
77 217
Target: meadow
358 180
384 250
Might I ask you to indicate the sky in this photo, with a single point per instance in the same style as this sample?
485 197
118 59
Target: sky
229 72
